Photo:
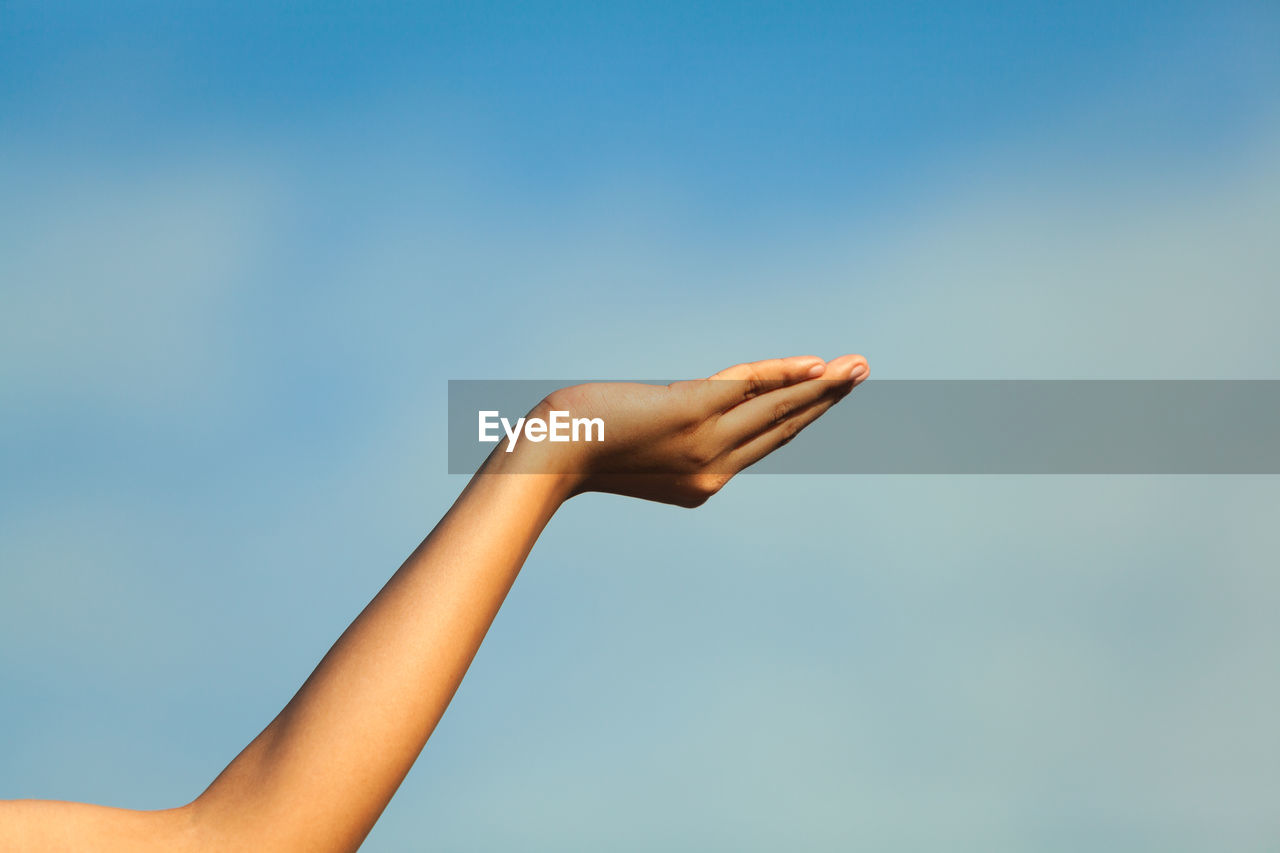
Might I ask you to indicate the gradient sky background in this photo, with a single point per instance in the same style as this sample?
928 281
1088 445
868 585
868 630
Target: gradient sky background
244 245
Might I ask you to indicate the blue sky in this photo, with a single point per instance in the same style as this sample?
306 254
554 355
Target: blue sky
243 246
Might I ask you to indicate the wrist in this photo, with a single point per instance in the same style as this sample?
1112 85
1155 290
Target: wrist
557 469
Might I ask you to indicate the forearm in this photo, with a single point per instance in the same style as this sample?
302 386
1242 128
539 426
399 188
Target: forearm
320 774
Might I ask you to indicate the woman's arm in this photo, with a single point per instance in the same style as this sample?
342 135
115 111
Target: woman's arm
318 777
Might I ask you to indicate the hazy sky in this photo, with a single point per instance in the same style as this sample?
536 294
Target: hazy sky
244 245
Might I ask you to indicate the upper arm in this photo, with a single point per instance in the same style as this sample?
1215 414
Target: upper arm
48 825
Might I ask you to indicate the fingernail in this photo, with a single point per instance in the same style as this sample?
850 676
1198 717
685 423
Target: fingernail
817 370
859 369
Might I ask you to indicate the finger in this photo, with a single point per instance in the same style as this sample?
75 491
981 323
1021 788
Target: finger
767 410
770 440
731 386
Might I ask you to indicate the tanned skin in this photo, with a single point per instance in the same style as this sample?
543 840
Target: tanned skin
317 778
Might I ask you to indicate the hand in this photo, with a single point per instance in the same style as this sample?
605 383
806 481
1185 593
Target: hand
680 443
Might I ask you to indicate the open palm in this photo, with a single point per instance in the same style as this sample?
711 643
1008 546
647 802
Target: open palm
680 443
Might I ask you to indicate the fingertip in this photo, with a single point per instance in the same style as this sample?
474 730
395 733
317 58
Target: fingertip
856 365
862 368
844 367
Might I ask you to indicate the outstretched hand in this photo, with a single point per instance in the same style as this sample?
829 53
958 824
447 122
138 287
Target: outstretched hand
310 780
680 443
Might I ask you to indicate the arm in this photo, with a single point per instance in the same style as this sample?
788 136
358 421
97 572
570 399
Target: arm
320 774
